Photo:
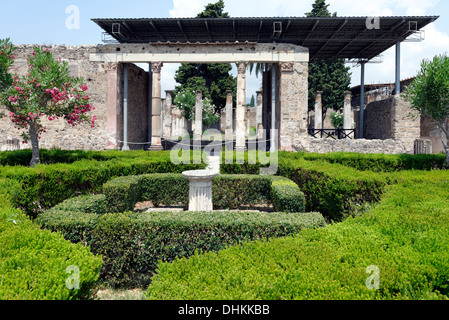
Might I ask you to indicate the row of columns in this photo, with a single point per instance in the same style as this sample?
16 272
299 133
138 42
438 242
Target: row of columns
155 109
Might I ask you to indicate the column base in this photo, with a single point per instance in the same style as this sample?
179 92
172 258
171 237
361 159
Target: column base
156 148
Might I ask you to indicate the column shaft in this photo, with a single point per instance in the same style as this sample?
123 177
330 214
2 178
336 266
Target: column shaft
229 117
241 109
198 133
318 111
156 103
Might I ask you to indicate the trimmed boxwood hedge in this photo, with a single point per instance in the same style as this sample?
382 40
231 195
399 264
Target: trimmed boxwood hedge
33 262
228 192
406 231
287 197
405 236
132 243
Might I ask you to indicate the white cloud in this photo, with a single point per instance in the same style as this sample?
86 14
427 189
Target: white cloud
187 8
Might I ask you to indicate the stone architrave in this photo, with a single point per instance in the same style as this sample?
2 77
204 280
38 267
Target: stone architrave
229 117
156 103
318 111
198 133
241 108
347 112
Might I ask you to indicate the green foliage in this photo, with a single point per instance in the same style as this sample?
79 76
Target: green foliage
228 191
47 185
132 244
287 197
405 236
6 61
332 189
214 10
95 203
381 162
185 100
336 119
47 90
330 76
429 94
33 262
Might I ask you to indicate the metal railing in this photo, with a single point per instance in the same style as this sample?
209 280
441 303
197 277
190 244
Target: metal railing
336 134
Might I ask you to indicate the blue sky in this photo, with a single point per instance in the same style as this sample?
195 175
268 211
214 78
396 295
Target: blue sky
44 22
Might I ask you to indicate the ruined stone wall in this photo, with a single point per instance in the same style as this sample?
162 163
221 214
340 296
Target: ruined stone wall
59 133
388 146
105 82
293 98
430 132
138 107
391 118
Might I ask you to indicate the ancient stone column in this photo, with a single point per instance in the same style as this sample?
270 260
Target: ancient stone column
198 133
156 104
163 117
229 117
241 108
347 112
259 106
168 113
248 121
318 111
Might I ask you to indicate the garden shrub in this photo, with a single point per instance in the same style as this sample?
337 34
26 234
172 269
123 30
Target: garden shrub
47 185
132 244
333 189
228 191
33 262
404 236
95 203
287 197
381 162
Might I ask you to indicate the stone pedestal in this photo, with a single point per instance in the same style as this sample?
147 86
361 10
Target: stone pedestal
200 194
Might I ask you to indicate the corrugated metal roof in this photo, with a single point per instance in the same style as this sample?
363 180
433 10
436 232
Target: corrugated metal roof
336 37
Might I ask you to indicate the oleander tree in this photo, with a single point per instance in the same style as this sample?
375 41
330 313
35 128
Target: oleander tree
428 94
47 90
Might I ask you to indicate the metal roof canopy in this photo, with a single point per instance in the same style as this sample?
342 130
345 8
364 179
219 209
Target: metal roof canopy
336 37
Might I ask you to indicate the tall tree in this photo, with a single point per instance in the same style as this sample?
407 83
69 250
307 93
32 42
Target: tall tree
212 79
328 75
429 95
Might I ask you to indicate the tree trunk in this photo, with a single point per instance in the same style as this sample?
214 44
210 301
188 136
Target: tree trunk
35 158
